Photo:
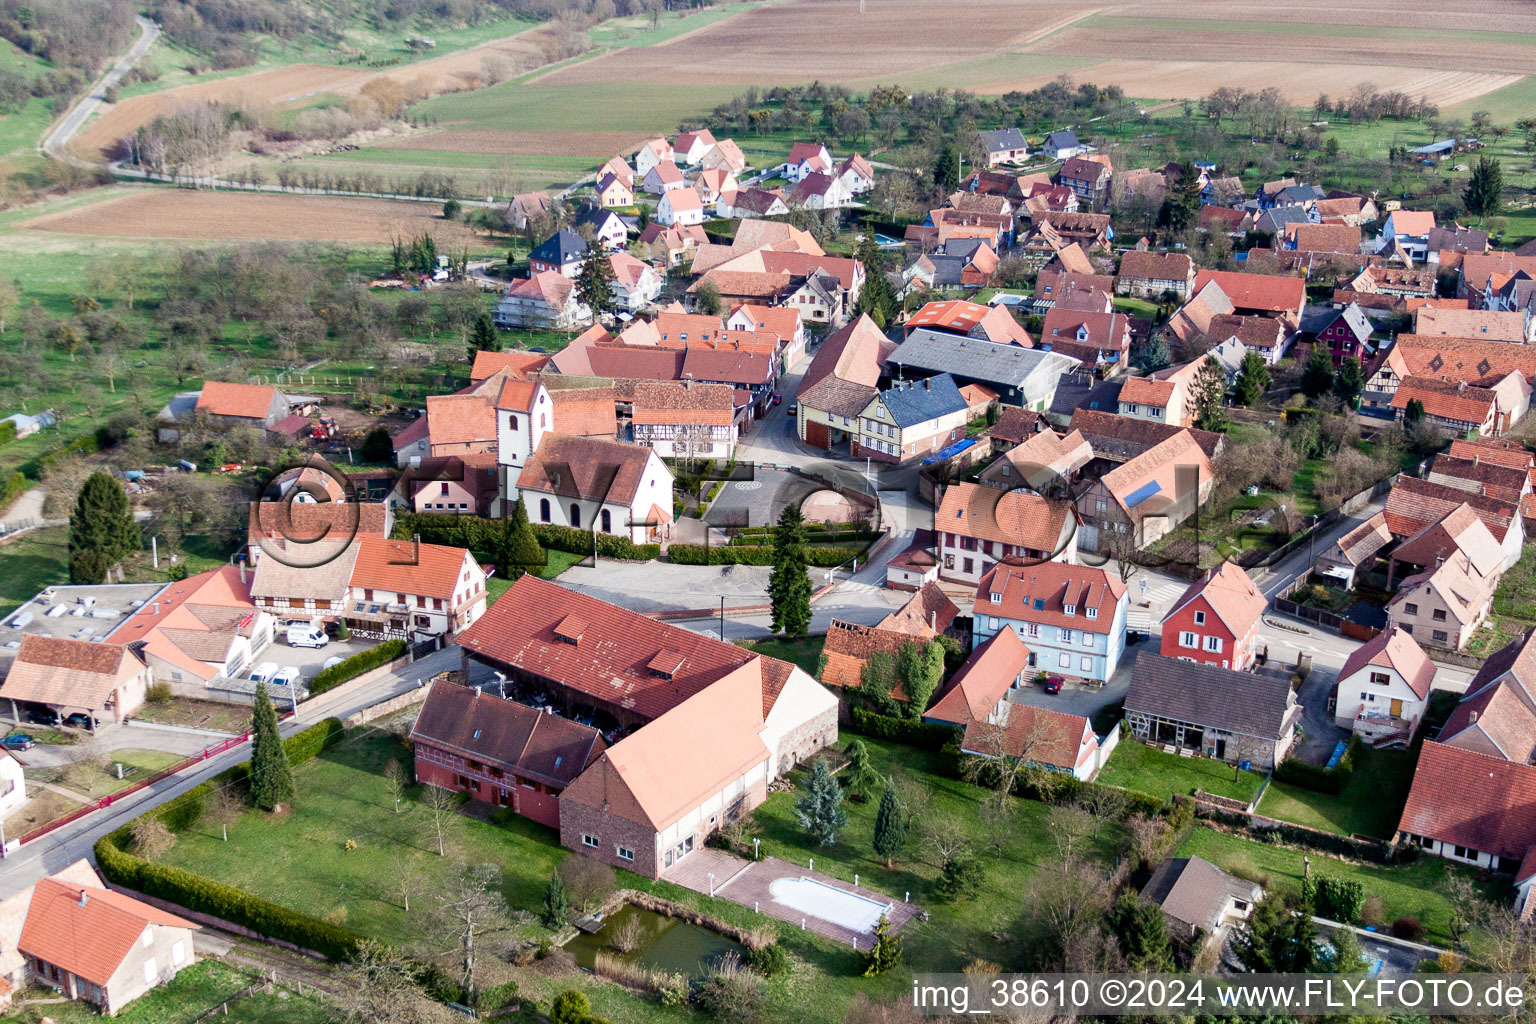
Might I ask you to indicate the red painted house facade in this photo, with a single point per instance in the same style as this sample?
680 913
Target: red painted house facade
1216 621
499 751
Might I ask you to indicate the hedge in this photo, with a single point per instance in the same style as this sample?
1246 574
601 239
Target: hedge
924 735
15 486
753 554
1295 772
7 431
1299 835
207 896
351 668
479 534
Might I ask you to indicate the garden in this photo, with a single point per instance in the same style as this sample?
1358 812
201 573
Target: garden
206 987
1136 766
1370 804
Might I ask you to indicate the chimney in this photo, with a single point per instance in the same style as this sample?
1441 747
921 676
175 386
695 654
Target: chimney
155 610
933 621
1472 718
242 572
84 899
927 385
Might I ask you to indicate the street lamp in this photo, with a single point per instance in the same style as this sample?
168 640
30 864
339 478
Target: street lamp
711 883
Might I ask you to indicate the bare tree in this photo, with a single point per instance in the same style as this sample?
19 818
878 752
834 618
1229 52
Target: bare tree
151 838
1068 900
396 781
912 795
1146 838
1007 755
997 820
1104 803
469 910
440 804
223 807
1465 904
587 881
942 836
1070 827
378 986
406 880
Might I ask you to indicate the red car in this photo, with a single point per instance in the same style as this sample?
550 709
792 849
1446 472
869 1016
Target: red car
1053 684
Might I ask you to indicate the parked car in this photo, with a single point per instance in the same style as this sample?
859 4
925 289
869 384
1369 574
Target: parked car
79 720
18 741
777 398
42 716
308 635
332 662
286 677
794 407
1053 684
264 672
1132 637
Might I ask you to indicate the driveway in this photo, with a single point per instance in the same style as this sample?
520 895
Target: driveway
309 660
1078 698
1321 735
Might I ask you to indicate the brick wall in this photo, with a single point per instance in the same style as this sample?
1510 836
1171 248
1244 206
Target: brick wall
800 743
611 832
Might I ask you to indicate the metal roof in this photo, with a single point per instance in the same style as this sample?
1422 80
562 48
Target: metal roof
976 360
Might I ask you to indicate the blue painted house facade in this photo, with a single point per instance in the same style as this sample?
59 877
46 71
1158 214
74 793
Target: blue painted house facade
1071 617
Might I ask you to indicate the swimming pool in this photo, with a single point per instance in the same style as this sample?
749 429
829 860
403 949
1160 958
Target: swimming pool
818 899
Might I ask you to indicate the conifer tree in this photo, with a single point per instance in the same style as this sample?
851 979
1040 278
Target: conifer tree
271 776
789 587
101 529
517 549
556 902
886 952
594 282
890 827
1252 380
1317 373
820 807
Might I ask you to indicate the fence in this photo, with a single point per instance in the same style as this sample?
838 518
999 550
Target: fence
110 799
1319 617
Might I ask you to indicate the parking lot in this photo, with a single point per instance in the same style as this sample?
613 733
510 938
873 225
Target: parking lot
1079 698
308 660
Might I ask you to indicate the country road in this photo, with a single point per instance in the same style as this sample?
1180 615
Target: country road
58 138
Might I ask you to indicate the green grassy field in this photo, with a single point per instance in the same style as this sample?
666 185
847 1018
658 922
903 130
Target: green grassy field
1415 890
31 562
569 108
1206 26
1370 805
805 652
638 31
1506 105
199 989
300 860
1134 765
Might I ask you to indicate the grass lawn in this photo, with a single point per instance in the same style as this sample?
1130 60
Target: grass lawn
96 781
31 562
1370 805
198 714
1414 890
1134 765
201 988
300 861
805 652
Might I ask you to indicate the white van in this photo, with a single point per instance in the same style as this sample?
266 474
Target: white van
309 635
264 672
288 677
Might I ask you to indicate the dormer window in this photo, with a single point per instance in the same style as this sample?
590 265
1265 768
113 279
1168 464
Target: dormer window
1070 609
996 596
1093 613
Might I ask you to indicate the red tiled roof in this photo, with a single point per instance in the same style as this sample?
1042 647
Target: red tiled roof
246 401
1015 424
66 672
1257 291
586 468
1446 400
1016 517
1493 450
1155 266
405 567
672 403
609 658
928 612
1037 735
984 680
1397 650
1413 504
461 419
518 364
1040 594
93 940
1472 360
1472 800
849 645
585 412
1229 592
504 732
843 375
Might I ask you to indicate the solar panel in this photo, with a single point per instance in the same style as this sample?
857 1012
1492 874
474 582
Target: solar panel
1142 493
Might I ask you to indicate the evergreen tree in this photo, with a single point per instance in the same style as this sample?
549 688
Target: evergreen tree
1142 931
1317 374
1209 390
556 902
378 446
1252 380
483 336
876 298
820 807
921 667
1154 355
101 528
1415 411
594 282
1343 955
890 827
960 878
859 776
789 586
707 299
1278 940
1485 189
451 209
271 777
517 548
885 955
946 168
1349 382
1184 199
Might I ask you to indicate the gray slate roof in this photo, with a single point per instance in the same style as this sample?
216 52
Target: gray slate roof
1062 140
976 360
1084 391
1194 892
947 270
1354 316
914 402
1187 691
564 246
1275 220
1003 139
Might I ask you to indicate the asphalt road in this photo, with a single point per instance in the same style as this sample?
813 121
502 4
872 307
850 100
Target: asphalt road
65 130
66 845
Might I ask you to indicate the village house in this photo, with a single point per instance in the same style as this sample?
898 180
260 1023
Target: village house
546 301
1258 294
562 253
651 153
253 406
596 485
289 525
997 727
840 383
1150 275
972 319
1216 712
1099 340
99 946
1020 376
1342 559
1072 617
680 206
1403 282
635 285
1004 146
690 147
1087 177
671 245
911 419
819 191
683 420
1044 462
1442 606
927 614
1141 500
1061 145
750 202
806 158
1409 231
106 681
1164 397
709 724
500 752
663 178
526 207
1346 334
467 485
978 526
1383 689
1414 505
1014 426
608 228
1459 407
1265 335
711 184
1051 232
724 155
1490 325
1118 439
1216 620
614 192
855 175
784 322
400 588
1199 900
